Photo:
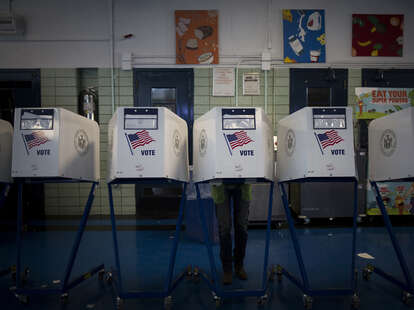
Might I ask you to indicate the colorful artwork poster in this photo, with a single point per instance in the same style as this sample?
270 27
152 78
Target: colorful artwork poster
398 198
304 36
196 34
377 102
377 35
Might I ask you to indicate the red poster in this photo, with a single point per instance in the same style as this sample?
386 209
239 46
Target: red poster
377 35
196 35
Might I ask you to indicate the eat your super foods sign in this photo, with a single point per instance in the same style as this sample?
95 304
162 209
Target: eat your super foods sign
377 102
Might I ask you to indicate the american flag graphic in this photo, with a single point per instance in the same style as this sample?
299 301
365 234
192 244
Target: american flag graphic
36 138
139 138
238 139
328 138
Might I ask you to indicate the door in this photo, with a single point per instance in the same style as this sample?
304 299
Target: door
173 89
316 88
398 78
21 88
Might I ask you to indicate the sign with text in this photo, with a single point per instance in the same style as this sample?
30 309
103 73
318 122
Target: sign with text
375 102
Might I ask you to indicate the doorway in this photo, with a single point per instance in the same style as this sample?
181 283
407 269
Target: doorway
18 89
318 88
174 90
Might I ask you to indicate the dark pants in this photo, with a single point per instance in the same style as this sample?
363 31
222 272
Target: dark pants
240 218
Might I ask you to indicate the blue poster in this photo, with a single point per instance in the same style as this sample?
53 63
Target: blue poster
304 36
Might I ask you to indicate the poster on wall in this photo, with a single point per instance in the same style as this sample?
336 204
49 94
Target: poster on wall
398 198
377 35
196 34
251 84
223 82
304 36
374 102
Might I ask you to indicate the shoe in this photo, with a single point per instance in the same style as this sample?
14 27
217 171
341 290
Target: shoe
241 273
227 277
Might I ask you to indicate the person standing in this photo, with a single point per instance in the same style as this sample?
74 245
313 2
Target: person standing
241 195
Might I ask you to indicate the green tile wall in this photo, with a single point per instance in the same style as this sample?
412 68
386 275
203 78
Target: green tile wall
60 88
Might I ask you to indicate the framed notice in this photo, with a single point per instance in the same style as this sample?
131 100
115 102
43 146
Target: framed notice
251 84
196 34
223 81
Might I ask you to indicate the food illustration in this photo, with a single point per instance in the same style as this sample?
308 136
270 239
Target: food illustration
196 37
203 32
304 36
192 44
377 35
397 197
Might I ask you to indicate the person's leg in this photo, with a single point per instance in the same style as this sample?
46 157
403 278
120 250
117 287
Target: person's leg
241 215
224 225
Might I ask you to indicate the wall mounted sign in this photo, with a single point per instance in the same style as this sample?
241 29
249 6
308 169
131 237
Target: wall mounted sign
377 35
377 102
196 34
223 82
304 36
251 84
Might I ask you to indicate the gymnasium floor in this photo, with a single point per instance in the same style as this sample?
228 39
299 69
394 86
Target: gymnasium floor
144 259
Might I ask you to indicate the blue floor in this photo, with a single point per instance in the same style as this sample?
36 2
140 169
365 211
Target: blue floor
144 259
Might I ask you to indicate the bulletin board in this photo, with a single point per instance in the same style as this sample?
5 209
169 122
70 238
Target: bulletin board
196 34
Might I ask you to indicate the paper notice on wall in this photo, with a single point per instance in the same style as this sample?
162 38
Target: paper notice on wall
223 81
251 84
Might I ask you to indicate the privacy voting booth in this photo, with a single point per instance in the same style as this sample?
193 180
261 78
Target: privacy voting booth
233 145
391 149
316 144
147 146
54 145
6 137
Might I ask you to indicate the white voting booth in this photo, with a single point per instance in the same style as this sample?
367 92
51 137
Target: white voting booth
316 142
391 146
147 143
55 143
233 143
147 146
6 138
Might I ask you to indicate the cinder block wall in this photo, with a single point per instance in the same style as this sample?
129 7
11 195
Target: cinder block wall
61 88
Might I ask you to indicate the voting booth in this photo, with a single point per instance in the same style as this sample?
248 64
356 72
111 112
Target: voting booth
147 143
54 145
391 149
316 144
391 146
147 146
233 145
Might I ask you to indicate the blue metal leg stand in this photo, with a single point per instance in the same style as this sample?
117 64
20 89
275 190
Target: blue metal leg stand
66 285
354 278
408 285
118 282
268 229
208 244
169 285
304 286
19 234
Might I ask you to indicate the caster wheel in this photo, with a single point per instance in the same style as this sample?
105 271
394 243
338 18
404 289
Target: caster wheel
217 301
23 299
307 301
279 273
119 303
101 274
261 301
355 301
64 298
168 302
108 278
196 275
189 272
365 274
406 297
